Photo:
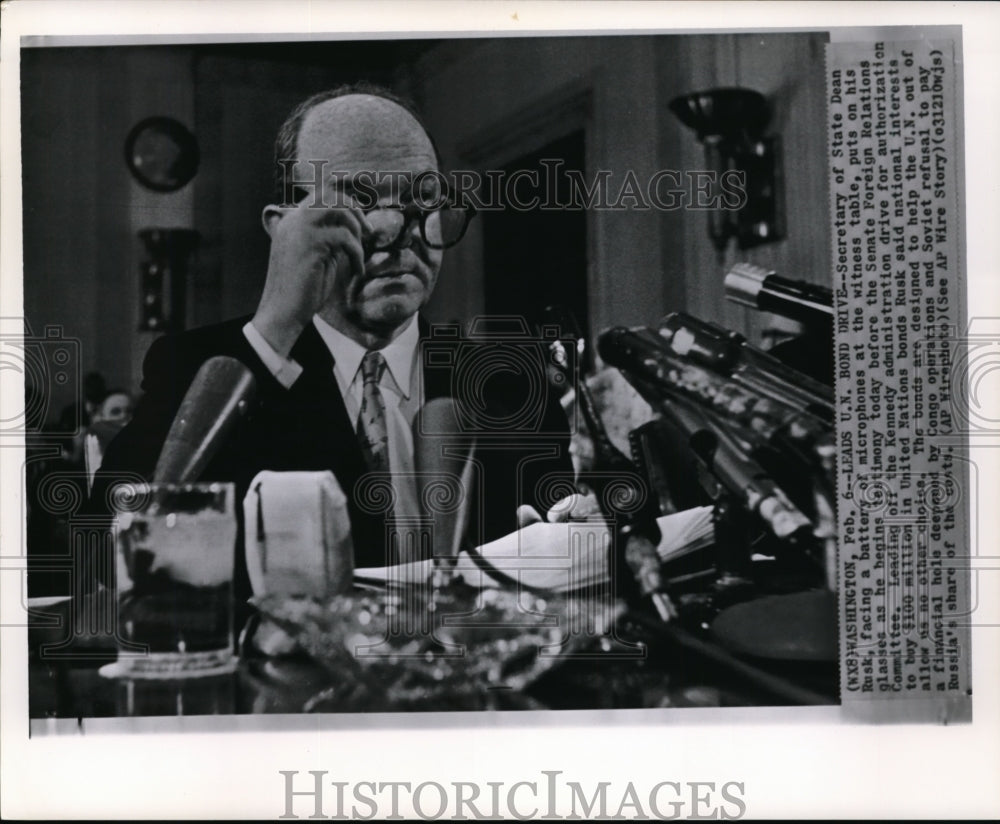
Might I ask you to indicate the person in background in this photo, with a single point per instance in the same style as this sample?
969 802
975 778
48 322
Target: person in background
77 416
116 408
113 414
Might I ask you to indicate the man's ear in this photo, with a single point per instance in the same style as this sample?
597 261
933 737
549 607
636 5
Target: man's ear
270 217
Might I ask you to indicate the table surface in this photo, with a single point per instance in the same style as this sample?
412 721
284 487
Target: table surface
65 679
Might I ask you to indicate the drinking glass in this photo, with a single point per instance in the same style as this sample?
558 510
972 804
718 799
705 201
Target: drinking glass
175 553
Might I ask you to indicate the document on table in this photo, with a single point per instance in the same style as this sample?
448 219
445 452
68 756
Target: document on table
560 557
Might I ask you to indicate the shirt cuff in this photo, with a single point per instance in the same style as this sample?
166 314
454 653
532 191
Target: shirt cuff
285 370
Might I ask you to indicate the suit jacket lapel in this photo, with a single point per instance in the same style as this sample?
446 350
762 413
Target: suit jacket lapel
318 388
310 351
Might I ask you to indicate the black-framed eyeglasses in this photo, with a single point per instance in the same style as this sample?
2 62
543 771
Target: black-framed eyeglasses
440 228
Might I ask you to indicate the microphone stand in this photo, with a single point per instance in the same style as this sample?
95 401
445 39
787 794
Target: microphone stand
637 534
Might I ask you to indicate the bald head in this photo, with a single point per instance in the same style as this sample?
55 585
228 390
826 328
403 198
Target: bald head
377 109
361 133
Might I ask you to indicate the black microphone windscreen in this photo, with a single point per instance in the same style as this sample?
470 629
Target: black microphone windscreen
218 396
626 349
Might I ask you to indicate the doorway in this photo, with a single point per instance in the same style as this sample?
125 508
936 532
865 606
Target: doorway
537 257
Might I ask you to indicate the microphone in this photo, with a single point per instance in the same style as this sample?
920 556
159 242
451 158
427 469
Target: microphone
758 288
638 534
608 458
750 397
730 354
645 366
747 481
442 450
218 397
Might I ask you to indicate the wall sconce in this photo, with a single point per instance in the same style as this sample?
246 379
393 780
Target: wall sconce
730 124
164 277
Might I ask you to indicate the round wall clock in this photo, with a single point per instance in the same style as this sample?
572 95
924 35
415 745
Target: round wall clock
161 154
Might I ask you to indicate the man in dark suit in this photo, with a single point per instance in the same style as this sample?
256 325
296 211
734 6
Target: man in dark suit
335 344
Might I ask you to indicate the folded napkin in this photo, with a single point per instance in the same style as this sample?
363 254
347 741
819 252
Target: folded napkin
298 535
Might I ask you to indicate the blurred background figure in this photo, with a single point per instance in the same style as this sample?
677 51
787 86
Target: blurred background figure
56 465
116 408
114 412
79 415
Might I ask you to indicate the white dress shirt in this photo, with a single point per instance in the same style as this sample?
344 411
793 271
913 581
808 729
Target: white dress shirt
401 389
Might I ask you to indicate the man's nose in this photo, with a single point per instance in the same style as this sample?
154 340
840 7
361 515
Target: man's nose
409 234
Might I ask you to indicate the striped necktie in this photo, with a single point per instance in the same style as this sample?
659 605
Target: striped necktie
372 431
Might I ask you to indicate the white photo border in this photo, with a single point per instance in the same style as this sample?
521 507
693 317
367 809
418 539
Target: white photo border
794 762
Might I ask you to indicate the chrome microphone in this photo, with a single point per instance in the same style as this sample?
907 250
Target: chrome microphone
760 288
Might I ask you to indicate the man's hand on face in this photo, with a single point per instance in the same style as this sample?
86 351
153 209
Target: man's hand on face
310 242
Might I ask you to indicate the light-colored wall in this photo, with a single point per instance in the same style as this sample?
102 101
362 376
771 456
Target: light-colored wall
642 264
83 208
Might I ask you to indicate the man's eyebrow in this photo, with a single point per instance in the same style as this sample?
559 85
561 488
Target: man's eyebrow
394 185
371 180
343 182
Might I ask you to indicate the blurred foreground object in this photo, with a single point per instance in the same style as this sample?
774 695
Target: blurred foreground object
387 651
175 580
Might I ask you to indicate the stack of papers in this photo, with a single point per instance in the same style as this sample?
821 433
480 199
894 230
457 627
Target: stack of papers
559 557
